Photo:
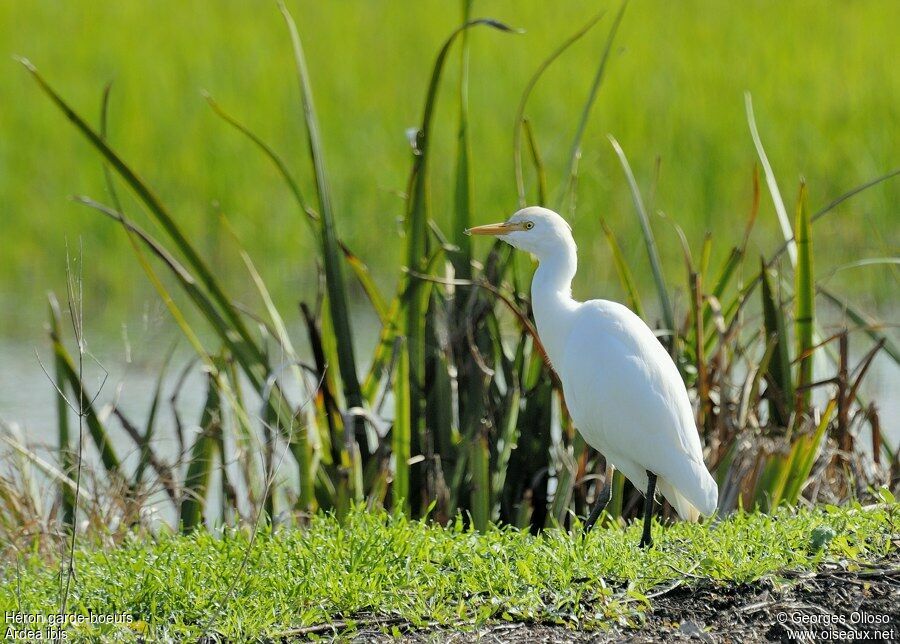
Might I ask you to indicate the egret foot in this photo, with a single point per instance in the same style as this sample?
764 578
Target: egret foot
602 502
646 539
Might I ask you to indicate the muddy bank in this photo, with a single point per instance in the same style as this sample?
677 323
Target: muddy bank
835 603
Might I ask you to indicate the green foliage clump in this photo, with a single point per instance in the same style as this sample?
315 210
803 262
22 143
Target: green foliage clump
376 565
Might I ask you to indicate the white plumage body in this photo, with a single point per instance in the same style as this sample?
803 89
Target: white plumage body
622 389
628 401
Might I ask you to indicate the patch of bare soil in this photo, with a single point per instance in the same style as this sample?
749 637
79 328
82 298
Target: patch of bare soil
835 603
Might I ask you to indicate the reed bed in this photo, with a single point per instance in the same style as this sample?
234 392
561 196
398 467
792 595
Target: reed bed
456 413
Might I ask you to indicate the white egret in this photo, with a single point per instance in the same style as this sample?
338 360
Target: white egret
622 388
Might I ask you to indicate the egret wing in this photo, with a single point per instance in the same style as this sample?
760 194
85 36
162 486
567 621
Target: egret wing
627 399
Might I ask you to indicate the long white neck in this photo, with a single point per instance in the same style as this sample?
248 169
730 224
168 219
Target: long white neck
551 298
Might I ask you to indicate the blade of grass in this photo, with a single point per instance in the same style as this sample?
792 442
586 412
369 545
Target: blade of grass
824 210
48 468
529 463
330 409
506 443
280 165
418 208
753 382
184 277
153 204
382 354
617 495
521 122
780 367
371 290
860 263
66 462
566 466
145 445
806 448
334 279
631 293
401 434
441 417
725 274
869 325
196 481
462 201
575 150
481 481
804 301
97 430
780 210
284 339
649 240
537 162
832 205
705 252
143 441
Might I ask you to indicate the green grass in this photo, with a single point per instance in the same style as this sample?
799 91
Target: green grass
825 95
381 565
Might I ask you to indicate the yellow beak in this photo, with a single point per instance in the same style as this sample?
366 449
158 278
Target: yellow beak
494 229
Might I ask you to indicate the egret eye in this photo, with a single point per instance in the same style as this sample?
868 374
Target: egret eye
529 225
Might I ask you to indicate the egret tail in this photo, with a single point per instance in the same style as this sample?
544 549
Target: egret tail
691 502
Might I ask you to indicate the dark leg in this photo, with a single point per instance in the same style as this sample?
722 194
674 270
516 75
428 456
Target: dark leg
646 539
602 502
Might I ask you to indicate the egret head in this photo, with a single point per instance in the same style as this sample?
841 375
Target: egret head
537 230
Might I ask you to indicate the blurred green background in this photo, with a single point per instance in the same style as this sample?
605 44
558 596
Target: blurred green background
823 78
